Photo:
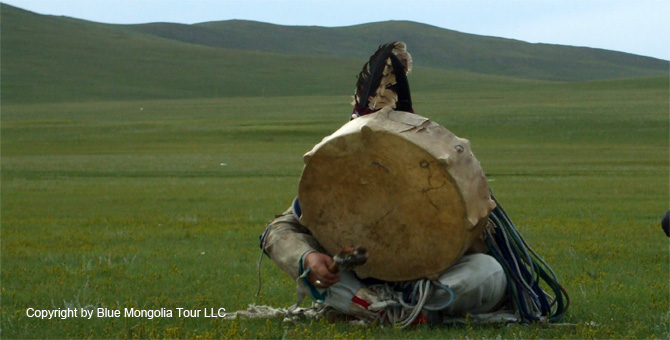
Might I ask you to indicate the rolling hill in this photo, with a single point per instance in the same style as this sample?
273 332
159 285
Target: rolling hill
432 47
61 59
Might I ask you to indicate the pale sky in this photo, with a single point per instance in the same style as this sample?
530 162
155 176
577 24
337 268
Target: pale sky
634 26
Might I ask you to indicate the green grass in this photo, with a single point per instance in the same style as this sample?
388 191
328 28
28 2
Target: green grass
126 203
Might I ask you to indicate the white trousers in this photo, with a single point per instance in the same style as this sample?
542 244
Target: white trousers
477 281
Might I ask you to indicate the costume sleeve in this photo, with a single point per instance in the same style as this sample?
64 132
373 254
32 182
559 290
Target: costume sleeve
286 242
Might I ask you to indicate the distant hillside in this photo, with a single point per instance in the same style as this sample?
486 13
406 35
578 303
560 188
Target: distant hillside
431 46
54 59
60 59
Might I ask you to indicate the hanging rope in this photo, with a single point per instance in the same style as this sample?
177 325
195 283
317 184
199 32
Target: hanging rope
525 270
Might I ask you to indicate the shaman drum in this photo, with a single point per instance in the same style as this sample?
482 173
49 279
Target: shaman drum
400 185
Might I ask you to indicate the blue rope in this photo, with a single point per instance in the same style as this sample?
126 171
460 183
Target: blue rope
524 270
446 304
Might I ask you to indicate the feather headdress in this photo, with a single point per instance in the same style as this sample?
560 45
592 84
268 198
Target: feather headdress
383 81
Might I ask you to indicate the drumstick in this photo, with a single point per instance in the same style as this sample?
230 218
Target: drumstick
348 258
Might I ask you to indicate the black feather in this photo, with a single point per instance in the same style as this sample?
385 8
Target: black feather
371 74
401 87
370 77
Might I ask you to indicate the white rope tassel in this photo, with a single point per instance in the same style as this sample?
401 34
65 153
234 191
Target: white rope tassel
267 312
400 312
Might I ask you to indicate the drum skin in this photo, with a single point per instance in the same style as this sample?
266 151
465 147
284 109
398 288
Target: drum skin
402 186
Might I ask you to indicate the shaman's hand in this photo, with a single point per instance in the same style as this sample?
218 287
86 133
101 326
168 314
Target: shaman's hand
319 276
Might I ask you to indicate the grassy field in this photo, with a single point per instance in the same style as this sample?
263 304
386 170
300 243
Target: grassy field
159 204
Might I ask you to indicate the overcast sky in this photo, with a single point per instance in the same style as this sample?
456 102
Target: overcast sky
635 26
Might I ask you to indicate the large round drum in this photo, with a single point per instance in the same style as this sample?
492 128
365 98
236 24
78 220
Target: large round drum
402 186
